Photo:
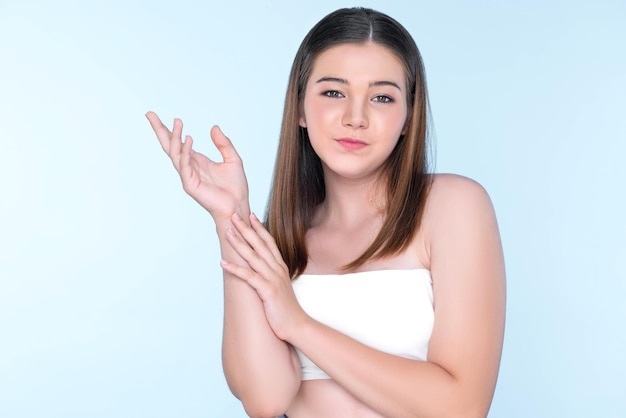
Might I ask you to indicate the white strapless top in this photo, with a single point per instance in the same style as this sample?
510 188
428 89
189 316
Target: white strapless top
389 310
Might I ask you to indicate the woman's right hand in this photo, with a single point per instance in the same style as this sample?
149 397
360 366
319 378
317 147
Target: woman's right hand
220 188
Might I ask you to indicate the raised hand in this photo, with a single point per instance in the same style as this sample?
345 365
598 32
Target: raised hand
219 187
267 273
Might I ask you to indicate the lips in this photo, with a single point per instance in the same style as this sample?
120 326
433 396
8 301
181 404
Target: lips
351 144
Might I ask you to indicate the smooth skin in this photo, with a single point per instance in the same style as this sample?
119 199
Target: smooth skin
257 364
458 241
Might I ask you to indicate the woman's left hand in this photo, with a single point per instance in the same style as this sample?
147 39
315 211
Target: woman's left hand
267 273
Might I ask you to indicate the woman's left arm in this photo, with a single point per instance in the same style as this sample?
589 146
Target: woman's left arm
467 267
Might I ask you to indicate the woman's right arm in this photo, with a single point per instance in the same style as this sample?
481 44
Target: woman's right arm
261 369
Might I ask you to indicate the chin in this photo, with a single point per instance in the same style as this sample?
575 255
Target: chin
355 173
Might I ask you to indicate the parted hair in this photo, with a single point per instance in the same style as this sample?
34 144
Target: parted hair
298 180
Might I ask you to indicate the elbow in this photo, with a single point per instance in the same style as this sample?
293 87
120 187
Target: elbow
448 412
449 409
469 413
455 405
471 408
264 415
264 409
467 398
269 399
268 404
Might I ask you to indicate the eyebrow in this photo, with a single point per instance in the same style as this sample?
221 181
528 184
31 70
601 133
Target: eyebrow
372 84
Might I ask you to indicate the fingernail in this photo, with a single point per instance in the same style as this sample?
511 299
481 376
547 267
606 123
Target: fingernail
253 216
236 217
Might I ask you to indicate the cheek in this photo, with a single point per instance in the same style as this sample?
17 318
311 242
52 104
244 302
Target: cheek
402 122
312 112
319 111
392 122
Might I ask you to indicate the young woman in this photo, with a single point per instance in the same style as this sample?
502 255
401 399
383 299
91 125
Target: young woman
374 288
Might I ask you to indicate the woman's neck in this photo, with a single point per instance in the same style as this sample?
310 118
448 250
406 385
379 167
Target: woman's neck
350 202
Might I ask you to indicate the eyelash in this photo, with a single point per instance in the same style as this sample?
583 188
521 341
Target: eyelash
381 98
333 94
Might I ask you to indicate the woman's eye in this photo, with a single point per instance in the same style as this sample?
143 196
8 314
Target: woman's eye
383 99
332 93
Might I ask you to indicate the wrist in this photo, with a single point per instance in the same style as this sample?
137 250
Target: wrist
301 330
224 222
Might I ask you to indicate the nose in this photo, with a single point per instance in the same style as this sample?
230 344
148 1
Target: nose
355 114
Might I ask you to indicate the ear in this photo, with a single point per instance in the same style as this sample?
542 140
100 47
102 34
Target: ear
301 119
405 129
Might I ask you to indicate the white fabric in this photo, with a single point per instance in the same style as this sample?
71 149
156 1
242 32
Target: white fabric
389 310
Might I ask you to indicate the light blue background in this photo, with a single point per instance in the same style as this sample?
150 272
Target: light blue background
110 288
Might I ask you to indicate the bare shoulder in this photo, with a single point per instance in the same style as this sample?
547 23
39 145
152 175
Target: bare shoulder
453 195
452 188
458 209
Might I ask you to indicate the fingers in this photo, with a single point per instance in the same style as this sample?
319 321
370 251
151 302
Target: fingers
163 134
170 141
176 143
245 274
258 226
257 265
257 260
185 169
260 240
223 144
252 248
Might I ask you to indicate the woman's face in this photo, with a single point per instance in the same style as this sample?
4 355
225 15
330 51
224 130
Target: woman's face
355 108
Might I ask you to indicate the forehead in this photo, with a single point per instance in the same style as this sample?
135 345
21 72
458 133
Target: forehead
364 61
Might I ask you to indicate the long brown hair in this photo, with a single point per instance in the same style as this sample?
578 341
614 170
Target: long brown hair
298 182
